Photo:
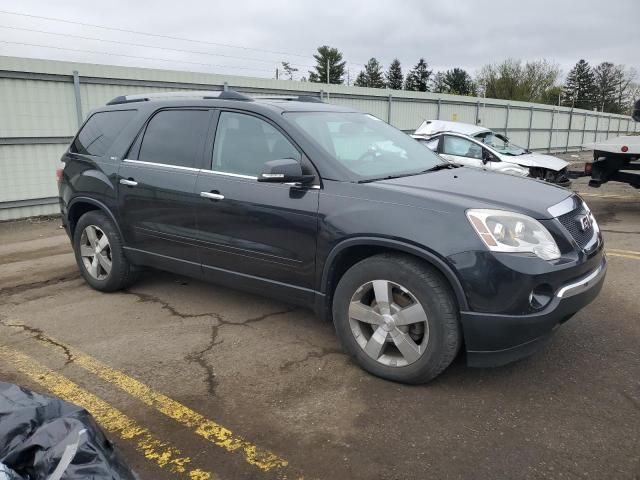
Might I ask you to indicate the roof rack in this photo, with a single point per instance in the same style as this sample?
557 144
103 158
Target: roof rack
292 98
204 94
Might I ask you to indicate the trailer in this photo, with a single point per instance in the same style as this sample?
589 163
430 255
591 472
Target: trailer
616 159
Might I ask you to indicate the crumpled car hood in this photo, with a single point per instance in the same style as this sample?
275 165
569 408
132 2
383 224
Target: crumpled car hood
538 160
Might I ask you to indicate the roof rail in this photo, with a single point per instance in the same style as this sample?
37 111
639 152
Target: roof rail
204 94
292 98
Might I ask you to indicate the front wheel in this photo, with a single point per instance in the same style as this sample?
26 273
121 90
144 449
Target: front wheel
99 254
397 318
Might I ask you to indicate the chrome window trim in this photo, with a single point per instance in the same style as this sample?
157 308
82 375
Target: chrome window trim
565 206
161 165
584 283
229 174
204 170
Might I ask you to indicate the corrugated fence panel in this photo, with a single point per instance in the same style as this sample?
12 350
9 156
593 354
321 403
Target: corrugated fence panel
14 213
541 119
32 108
539 140
375 107
519 137
591 122
561 120
493 117
458 112
575 139
29 171
408 115
519 118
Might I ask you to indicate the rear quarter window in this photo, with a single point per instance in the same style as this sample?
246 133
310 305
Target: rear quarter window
99 132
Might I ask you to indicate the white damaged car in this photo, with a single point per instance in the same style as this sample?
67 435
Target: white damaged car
476 146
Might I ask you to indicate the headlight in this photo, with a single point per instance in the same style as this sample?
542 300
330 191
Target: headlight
504 231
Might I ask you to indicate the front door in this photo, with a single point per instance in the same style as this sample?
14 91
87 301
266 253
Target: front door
261 233
461 151
156 188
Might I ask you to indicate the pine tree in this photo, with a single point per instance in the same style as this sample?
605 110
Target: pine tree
394 75
333 57
371 76
459 82
579 88
605 87
418 78
437 84
361 79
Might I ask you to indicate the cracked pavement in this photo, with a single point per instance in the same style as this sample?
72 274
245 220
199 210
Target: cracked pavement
277 375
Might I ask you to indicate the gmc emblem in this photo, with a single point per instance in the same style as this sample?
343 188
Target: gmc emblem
585 222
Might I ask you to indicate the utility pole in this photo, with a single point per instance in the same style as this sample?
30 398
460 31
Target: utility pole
328 71
276 73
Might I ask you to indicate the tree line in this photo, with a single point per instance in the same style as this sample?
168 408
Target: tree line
605 87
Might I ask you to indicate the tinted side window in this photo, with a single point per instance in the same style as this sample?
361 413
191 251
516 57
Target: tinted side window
461 147
175 137
98 134
244 143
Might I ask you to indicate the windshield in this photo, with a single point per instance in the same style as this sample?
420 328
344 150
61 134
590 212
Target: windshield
501 144
365 145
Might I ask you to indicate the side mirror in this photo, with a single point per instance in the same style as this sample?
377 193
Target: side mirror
636 111
487 156
286 170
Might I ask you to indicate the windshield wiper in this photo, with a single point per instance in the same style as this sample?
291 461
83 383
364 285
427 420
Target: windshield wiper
440 166
388 177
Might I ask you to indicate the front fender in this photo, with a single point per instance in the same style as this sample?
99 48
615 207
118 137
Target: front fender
430 257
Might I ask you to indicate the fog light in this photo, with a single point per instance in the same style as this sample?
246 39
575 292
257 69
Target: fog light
541 296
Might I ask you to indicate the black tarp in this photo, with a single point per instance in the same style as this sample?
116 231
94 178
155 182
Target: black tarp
43 438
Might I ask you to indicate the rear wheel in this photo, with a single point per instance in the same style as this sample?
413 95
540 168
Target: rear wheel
99 254
397 318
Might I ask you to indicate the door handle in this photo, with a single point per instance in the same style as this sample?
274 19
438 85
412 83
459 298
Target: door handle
128 183
212 195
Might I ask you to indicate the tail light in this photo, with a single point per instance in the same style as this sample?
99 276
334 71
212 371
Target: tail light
59 175
588 168
624 148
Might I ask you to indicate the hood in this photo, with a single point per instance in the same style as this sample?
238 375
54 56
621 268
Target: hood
447 190
534 159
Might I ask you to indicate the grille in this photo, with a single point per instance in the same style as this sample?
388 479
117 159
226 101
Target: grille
571 221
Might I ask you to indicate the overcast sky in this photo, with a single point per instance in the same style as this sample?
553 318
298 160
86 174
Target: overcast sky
462 33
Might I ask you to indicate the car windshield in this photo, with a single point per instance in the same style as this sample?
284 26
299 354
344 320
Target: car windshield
501 144
365 145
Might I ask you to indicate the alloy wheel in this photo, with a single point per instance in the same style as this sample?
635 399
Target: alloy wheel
389 323
95 252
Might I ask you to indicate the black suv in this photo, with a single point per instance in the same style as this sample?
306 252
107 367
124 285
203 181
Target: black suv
333 209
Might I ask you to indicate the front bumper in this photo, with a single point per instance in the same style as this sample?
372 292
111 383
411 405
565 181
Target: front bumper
497 339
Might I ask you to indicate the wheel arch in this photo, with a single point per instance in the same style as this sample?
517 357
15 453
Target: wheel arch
78 206
350 251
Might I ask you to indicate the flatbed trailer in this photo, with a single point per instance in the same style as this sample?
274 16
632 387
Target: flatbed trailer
616 159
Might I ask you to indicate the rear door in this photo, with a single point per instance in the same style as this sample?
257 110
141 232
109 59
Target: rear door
157 199
265 232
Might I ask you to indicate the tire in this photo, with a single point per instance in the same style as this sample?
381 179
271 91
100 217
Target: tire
410 282
89 232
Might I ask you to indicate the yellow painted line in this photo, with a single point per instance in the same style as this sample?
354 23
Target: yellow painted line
110 418
623 253
208 429
617 250
600 195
